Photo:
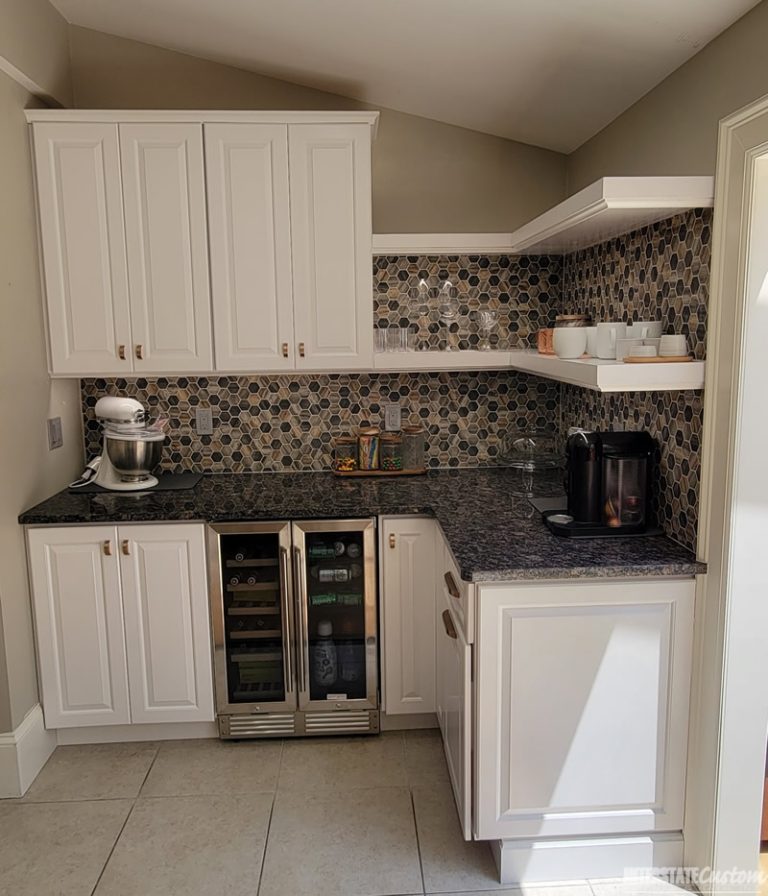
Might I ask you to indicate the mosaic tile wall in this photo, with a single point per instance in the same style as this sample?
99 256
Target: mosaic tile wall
439 297
288 422
659 272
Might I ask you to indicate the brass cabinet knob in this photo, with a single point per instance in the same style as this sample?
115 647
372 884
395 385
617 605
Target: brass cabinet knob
285 349
107 548
121 352
301 349
392 540
139 352
126 547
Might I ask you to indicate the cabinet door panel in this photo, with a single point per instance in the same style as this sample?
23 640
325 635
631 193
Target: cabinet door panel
77 168
166 623
166 236
79 626
583 714
330 169
250 240
408 558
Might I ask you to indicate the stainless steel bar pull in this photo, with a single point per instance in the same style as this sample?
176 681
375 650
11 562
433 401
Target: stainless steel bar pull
303 643
286 610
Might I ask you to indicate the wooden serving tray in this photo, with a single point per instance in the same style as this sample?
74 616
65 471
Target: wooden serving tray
676 359
351 474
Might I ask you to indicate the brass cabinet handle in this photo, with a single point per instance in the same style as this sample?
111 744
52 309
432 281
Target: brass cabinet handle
450 628
121 352
126 547
107 548
301 349
139 352
285 349
392 540
453 588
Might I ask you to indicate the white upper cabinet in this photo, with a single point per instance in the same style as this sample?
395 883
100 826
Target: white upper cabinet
77 166
330 172
250 244
167 249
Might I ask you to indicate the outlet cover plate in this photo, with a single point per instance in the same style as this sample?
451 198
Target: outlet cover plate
393 417
55 433
204 421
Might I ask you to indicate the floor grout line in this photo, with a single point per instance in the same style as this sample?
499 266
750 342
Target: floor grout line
266 842
418 841
114 846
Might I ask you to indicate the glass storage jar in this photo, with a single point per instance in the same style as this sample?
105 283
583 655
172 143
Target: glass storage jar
345 454
413 447
368 449
391 452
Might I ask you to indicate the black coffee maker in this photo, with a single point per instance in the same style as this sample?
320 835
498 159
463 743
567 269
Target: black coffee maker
608 479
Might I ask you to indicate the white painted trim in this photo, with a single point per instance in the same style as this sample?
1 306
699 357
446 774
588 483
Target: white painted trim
442 243
202 116
415 722
23 752
576 860
115 734
727 751
28 84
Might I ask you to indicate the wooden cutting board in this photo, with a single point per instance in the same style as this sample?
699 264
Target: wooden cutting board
677 359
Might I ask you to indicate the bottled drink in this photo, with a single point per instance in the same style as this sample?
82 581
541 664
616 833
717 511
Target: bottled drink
351 662
324 660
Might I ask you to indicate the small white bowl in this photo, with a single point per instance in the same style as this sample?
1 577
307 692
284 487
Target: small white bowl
643 351
673 346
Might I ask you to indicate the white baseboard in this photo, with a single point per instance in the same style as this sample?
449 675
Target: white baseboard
579 859
111 734
23 752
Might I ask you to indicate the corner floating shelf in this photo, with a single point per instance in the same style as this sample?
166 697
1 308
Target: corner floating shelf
439 361
609 207
611 376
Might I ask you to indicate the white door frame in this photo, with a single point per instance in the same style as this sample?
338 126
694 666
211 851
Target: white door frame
730 699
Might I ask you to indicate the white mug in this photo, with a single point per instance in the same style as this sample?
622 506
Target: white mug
591 341
607 334
673 346
645 329
569 342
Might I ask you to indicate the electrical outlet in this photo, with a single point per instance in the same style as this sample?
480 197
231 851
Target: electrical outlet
393 417
55 434
204 421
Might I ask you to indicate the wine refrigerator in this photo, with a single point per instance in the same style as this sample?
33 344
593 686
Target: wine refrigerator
294 619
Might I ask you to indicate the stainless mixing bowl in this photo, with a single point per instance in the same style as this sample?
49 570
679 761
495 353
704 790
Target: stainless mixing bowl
134 459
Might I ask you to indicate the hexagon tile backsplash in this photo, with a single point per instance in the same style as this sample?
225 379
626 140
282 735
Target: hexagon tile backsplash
288 422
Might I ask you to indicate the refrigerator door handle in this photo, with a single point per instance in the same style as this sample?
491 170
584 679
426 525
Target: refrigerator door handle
302 647
286 611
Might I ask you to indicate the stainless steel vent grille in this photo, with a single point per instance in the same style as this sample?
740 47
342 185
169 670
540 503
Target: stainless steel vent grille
341 722
267 725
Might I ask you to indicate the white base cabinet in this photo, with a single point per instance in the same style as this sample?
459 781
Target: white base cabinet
121 617
407 554
582 707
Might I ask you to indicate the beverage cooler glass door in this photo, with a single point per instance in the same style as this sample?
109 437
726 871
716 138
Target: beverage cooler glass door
252 616
335 577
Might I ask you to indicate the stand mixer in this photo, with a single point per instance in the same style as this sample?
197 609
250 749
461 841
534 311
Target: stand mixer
131 449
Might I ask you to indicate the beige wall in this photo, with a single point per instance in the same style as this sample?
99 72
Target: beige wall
34 45
427 176
27 397
673 129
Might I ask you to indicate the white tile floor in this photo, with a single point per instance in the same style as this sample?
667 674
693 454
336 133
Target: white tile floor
349 817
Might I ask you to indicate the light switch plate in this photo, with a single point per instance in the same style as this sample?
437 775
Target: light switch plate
393 417
204 421
55 434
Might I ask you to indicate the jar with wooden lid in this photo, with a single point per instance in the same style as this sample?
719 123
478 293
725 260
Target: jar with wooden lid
573 320
345 454
413 447
368 449
391 452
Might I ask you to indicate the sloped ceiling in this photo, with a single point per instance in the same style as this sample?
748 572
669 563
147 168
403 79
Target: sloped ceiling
547 72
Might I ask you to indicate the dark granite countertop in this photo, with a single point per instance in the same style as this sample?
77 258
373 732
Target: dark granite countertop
494 535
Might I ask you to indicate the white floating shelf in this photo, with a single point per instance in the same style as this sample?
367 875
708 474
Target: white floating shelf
438 361
609 207
611 376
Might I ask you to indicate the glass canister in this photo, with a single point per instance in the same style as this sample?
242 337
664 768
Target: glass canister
345 454
413 447
391 452
368 449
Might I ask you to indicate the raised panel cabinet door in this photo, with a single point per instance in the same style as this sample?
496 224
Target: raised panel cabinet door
167 627
77 169
166 238
331 232
79 626
454 670
408 557
582 707
250 244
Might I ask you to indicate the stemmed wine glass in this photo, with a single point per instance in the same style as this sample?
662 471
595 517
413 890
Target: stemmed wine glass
449 313
487 320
